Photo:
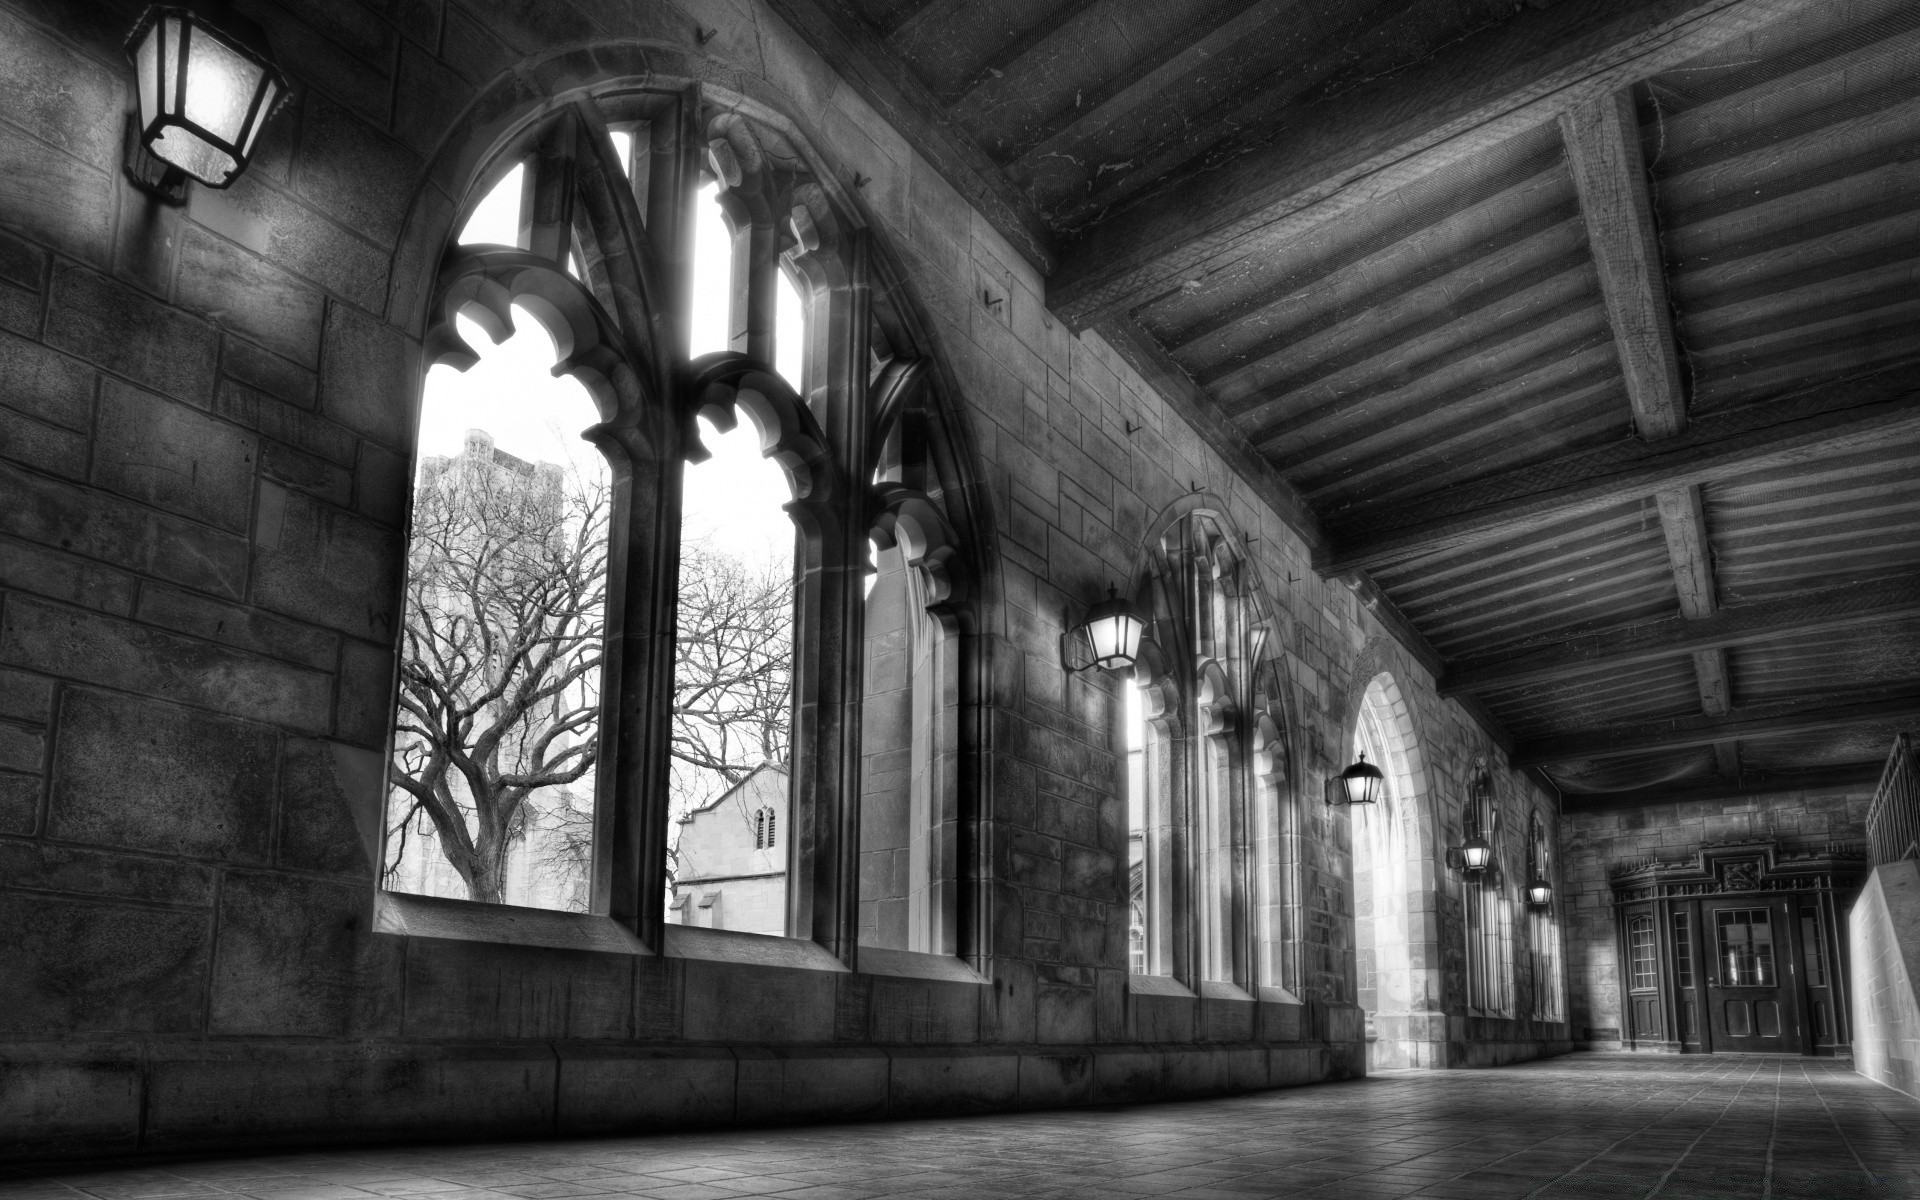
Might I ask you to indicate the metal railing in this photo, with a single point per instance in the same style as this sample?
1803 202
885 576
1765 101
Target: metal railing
1893 820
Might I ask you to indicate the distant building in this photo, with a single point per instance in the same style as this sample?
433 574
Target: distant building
732 858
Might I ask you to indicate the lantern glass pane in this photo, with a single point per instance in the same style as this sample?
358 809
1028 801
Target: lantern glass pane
220 87
146 61
192 154
267 101
169 92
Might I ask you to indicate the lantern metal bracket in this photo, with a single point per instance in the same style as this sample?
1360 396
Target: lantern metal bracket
148 171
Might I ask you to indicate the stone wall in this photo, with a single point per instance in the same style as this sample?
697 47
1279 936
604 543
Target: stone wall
1592 844
205 468
1884 938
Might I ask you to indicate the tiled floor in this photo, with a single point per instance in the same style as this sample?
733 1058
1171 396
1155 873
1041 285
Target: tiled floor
1585 1126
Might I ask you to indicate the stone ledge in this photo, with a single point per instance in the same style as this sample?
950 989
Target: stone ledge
404 915
179 1095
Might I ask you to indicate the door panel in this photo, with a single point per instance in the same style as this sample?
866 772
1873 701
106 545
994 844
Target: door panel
1749 1003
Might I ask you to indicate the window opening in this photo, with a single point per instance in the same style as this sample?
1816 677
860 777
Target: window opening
1682 950
496 734
623 146
1746 947
496 219
789 332
1640 953
712 274
1815 952
1139 910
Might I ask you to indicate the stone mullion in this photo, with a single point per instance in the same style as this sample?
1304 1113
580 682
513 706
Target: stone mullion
547 194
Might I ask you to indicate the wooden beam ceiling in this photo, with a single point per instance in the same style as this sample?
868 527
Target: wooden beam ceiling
1827 421
1841 606
1849 775
1799 715
1603 153
1278 183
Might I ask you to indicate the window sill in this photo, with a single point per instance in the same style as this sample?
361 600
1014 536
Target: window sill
407 915
1156 985
1210 990
912 964
748 949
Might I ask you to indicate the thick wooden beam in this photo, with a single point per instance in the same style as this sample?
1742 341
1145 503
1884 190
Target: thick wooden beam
1710 669
1841 606
858 55
1800 715
1848 775
1820 423
1286 178
1006 56
1684 522
1603 152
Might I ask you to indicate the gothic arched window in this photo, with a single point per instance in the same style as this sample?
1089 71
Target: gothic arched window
1210 806
582 234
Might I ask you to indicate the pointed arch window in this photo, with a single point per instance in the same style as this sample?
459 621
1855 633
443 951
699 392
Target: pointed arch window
1543 932
582 237
1487 905
1211 808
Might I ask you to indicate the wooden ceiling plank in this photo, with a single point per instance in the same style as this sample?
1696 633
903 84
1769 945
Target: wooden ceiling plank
1775 719
1848 775
1003 59
1828 609
1803 427
1603 152
1710 670
1457 104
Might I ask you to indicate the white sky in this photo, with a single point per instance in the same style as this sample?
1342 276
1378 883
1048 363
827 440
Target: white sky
734 498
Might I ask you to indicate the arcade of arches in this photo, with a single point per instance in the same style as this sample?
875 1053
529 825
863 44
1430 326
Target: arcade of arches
692 728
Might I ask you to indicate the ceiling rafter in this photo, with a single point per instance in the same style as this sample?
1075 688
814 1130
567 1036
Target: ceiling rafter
1821 610
1813 424
1610 176
1802 714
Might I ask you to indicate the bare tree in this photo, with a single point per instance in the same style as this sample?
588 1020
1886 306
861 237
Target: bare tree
499 678
733 676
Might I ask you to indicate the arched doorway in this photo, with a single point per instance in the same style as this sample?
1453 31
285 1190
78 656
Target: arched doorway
1395 925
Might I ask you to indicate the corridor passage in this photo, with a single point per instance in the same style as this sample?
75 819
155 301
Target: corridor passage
1588 1125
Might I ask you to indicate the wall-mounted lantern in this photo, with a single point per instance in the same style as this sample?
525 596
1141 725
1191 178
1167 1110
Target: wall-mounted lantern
1360 783
1476 853
206 84
1539 893
1111 633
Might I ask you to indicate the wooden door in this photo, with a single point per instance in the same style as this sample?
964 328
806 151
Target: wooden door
1750 993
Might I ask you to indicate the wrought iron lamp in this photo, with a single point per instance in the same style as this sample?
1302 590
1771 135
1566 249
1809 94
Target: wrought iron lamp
1360 783
1476 853
1111 633
1539 893
206 84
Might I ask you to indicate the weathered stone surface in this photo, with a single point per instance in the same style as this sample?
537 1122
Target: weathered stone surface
99 873
734 1002
285 422
46 447
19 310
264 371
55 197
292 236
804 1084
19 803
81 115
61 576
481 990
619 1089
342 982
329 567
80 645
45 384
320 829
367 377
22 263
85 967
133 335
140 775
360 177
381 485
237 626
948 1080
25 697
173 457
363 708
22 749
67 1107
243 292
311 474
